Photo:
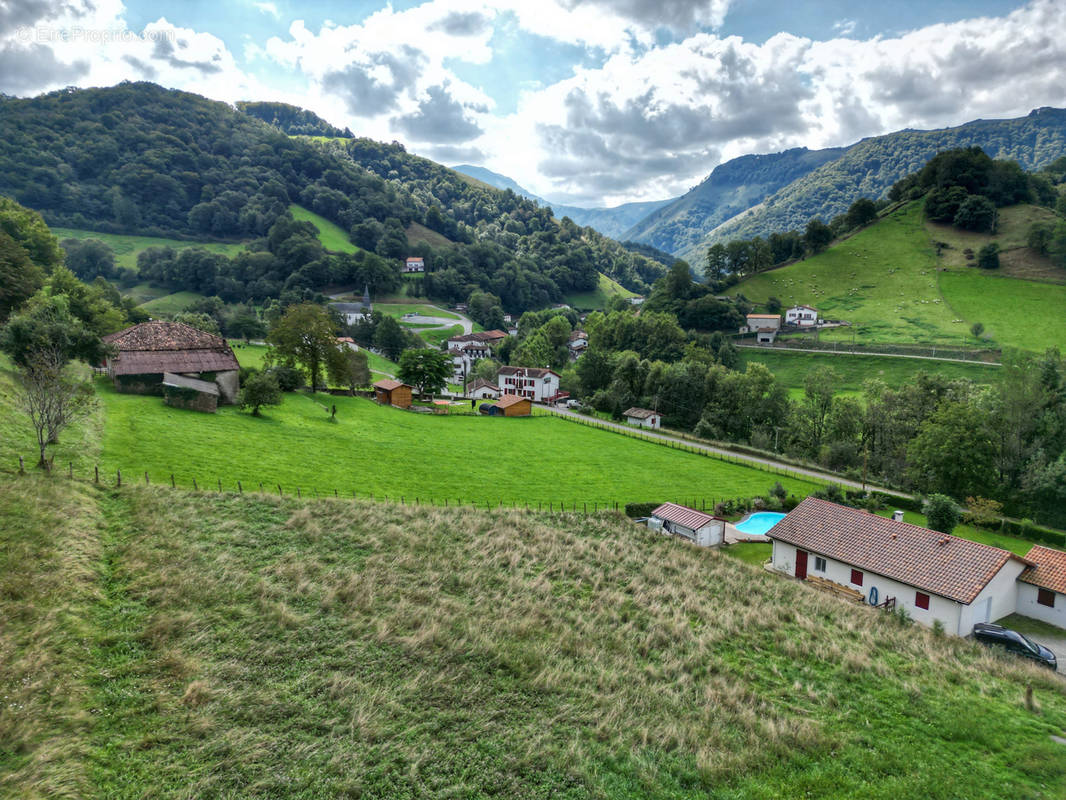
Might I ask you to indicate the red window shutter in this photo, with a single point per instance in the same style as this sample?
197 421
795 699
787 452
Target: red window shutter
1045 597
921 600
856 577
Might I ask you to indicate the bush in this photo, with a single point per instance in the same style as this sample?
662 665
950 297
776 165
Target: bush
833 493
982 512
941 513
634 510
778 491
247 372
988 256
289 378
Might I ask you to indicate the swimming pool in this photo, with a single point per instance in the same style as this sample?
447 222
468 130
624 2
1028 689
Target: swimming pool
758 524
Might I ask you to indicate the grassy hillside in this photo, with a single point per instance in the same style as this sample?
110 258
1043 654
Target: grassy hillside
168 644
598 298
127 248
331 235
420 234
791 368
383 451
169 304
1015 313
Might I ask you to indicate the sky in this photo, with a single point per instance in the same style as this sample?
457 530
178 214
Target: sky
587 102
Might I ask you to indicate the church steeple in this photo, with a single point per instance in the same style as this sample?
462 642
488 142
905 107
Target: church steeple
366 298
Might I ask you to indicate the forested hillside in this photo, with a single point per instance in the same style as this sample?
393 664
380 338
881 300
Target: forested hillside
137 158
292 120
733 187
870 167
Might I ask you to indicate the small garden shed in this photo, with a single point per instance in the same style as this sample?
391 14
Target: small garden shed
391 392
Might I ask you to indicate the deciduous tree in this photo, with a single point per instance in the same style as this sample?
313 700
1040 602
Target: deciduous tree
305 335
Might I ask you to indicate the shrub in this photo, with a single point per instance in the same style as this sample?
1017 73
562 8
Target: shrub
941 513
988 256
982 511
833 493
778 491
634 510
289 378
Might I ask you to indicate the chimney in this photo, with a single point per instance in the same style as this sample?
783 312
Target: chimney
897 515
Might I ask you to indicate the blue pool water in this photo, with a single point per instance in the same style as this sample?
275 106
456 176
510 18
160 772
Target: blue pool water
758 524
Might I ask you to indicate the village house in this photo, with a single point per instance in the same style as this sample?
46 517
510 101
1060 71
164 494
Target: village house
391 392
509 405
481 389
643 417
464 355
353 312
414 265
764 326
1042 587
932 576
490 338
578 344
346 343
636 300
802 316
143 354
703 530
534 383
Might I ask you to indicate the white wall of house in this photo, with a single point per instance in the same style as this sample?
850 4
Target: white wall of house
649 422
1029 607
485 393
536 389
710 535
947 611
998 599
801 316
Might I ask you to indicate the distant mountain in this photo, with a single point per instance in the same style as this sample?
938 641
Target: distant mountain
611 222
870 167
732 188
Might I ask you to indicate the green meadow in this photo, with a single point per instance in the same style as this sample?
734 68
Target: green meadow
331 235
126 248
170 304
598 298
381 451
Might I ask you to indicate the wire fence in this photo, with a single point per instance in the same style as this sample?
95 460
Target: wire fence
233 486
938 353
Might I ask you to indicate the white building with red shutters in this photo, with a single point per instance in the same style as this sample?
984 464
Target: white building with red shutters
533 383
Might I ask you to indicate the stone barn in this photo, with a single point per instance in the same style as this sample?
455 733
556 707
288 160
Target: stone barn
144 353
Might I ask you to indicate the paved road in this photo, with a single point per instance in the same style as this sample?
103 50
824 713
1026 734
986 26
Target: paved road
741 457
857 353
441 322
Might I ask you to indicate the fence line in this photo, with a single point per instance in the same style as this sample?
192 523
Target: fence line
930 352
236 487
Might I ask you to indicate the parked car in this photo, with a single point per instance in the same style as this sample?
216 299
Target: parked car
1013 642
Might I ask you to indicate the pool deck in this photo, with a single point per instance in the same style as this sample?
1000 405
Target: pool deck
732 535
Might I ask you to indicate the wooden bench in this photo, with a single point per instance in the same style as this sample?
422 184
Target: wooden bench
846 592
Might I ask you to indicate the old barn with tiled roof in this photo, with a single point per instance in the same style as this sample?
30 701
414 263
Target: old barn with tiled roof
143 353
933 576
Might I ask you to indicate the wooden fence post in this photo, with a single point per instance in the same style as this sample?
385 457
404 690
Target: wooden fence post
219 484
240 489
22 467
195 488
298 495
118 477
96 474
279 490
173 485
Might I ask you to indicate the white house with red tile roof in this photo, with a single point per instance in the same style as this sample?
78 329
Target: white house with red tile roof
1042 587
931 575
704 530
533 383
643 417
803 316
414 264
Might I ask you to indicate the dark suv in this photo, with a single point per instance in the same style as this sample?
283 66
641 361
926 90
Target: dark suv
1014 642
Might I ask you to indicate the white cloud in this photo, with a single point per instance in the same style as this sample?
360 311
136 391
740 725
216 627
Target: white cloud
268 8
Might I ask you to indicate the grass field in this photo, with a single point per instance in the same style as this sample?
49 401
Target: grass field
145 292
383 451
331 235
420 234
166 644
399 309
597 299
253 355
169 304
127 248
437 335
791 368
1022 314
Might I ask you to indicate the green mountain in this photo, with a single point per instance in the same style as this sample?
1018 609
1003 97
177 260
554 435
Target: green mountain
732 188
613 222
293 120
140 159
870 167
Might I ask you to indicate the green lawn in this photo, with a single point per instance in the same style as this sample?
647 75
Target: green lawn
331 235
597 298
169 304
253 355
751 552
791 368
437 335
1016 313
399 309
128 247
882 280
384 451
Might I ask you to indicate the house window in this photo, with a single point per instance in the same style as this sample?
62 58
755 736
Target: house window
856 577
1045 597
819 564
921 600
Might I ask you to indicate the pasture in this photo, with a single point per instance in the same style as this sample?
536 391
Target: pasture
169 304
331 235
170 644
381 451
127 248
597 298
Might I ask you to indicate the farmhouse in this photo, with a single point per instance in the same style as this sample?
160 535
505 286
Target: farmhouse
578 344
1042 587
144 353
703 530
508 405
539 385
764 326
931 575
190 393
390 392
414 264
464 355
482 390
643 417
803 316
